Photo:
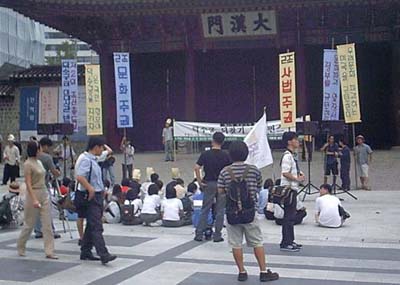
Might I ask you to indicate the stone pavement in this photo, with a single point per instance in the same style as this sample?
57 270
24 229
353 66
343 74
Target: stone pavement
365 251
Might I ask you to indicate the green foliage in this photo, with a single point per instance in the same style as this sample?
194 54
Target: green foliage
66 50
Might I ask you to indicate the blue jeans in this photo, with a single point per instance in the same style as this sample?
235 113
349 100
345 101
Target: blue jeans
109 171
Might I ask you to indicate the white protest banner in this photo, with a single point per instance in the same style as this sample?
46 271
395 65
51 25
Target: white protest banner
123 90
69 91
257 141
331 83
48 105
94 110
200 131
287 89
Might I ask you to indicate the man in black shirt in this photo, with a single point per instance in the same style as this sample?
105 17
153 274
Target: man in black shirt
212 161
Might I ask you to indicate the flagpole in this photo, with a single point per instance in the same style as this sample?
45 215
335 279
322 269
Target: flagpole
273 163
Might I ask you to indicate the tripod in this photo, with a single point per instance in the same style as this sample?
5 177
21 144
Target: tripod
308 188
343 191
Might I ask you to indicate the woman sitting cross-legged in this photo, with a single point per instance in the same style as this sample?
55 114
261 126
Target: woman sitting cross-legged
132 208
172 209
151 206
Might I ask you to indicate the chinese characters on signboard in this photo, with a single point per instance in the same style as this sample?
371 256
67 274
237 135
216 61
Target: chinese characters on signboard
331 83
48 105
29 108
93 100
255 23
123 90
349 83
287 89
69 88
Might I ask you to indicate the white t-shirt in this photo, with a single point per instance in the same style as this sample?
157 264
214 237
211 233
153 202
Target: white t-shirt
137 206
289 166
328 208
144 189
171 208
150 203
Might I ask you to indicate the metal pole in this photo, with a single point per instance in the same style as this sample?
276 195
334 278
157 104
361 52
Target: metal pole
354 151
173 139
255 93
126 167
65 158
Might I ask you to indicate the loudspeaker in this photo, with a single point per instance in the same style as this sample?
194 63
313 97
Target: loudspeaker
333 127
307 128
45 129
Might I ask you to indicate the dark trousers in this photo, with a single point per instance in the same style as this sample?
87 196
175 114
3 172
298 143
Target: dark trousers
210 194
10 173
93 235
126 168
345 176
288 220
298 218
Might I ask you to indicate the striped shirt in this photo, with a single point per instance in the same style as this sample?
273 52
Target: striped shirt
253 178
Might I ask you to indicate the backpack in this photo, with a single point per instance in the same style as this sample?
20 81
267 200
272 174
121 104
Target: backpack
128 216
240 206
282 195
5 211
187 204
112 213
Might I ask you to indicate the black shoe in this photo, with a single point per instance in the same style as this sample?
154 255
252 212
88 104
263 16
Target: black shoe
38 235
243 276
290 248
79 242
300 246
268 276
57 236
218 239
198 238
90 257
106 259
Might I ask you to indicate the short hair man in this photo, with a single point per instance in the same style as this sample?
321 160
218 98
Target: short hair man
89 201
345 162
363 154
290 176
168 140
331 149
327 213
238 152
212 161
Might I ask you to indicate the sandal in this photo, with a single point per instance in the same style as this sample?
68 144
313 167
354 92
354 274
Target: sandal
52 256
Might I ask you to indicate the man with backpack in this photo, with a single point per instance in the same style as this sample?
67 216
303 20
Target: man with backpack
240 183
291 177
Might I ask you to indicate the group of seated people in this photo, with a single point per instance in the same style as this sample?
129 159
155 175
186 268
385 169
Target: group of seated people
328 210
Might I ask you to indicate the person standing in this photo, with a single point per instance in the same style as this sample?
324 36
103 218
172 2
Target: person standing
51 170
89 199
331 150
66 153
290 176
37 203
363 155
106 161
168 141
345 162
212 161
127 163
244 222
11 158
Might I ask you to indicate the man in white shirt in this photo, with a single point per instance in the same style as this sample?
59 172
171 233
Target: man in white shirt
327 208
11 158
127 163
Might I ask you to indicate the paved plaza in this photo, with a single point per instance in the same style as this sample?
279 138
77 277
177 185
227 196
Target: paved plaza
365 251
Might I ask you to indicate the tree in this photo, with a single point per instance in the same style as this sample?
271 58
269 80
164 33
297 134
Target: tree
66 50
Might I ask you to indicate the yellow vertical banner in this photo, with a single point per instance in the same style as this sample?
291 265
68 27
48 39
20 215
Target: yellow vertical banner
287 89
349 83
93 100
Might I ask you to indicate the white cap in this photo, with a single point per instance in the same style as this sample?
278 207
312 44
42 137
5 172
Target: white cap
11 138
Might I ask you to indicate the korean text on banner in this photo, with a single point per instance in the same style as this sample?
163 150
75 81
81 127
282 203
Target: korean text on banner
94 111
123 90
257 141
29 104
331 83
69 87
287 89
349 83
48 105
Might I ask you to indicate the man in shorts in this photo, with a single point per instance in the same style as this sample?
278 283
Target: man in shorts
363 155
238 152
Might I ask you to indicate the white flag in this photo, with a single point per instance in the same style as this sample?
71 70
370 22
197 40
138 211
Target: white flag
257 141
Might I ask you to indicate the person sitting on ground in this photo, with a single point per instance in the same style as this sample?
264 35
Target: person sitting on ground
151 206
172 209
132 208
112 211
145 186
197 199
263 196
329 210
240 209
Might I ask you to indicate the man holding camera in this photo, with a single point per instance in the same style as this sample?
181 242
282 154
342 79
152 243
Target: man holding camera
331 150
290 176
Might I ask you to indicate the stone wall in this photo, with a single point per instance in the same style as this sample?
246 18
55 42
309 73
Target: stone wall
9 116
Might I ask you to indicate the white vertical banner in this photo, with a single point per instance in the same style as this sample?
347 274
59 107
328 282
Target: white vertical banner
331 83
69 92
123 90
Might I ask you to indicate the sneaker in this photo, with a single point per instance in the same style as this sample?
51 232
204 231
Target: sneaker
57 236
218 239
38 235
198 239
243 276
297 245
290 248
268 276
